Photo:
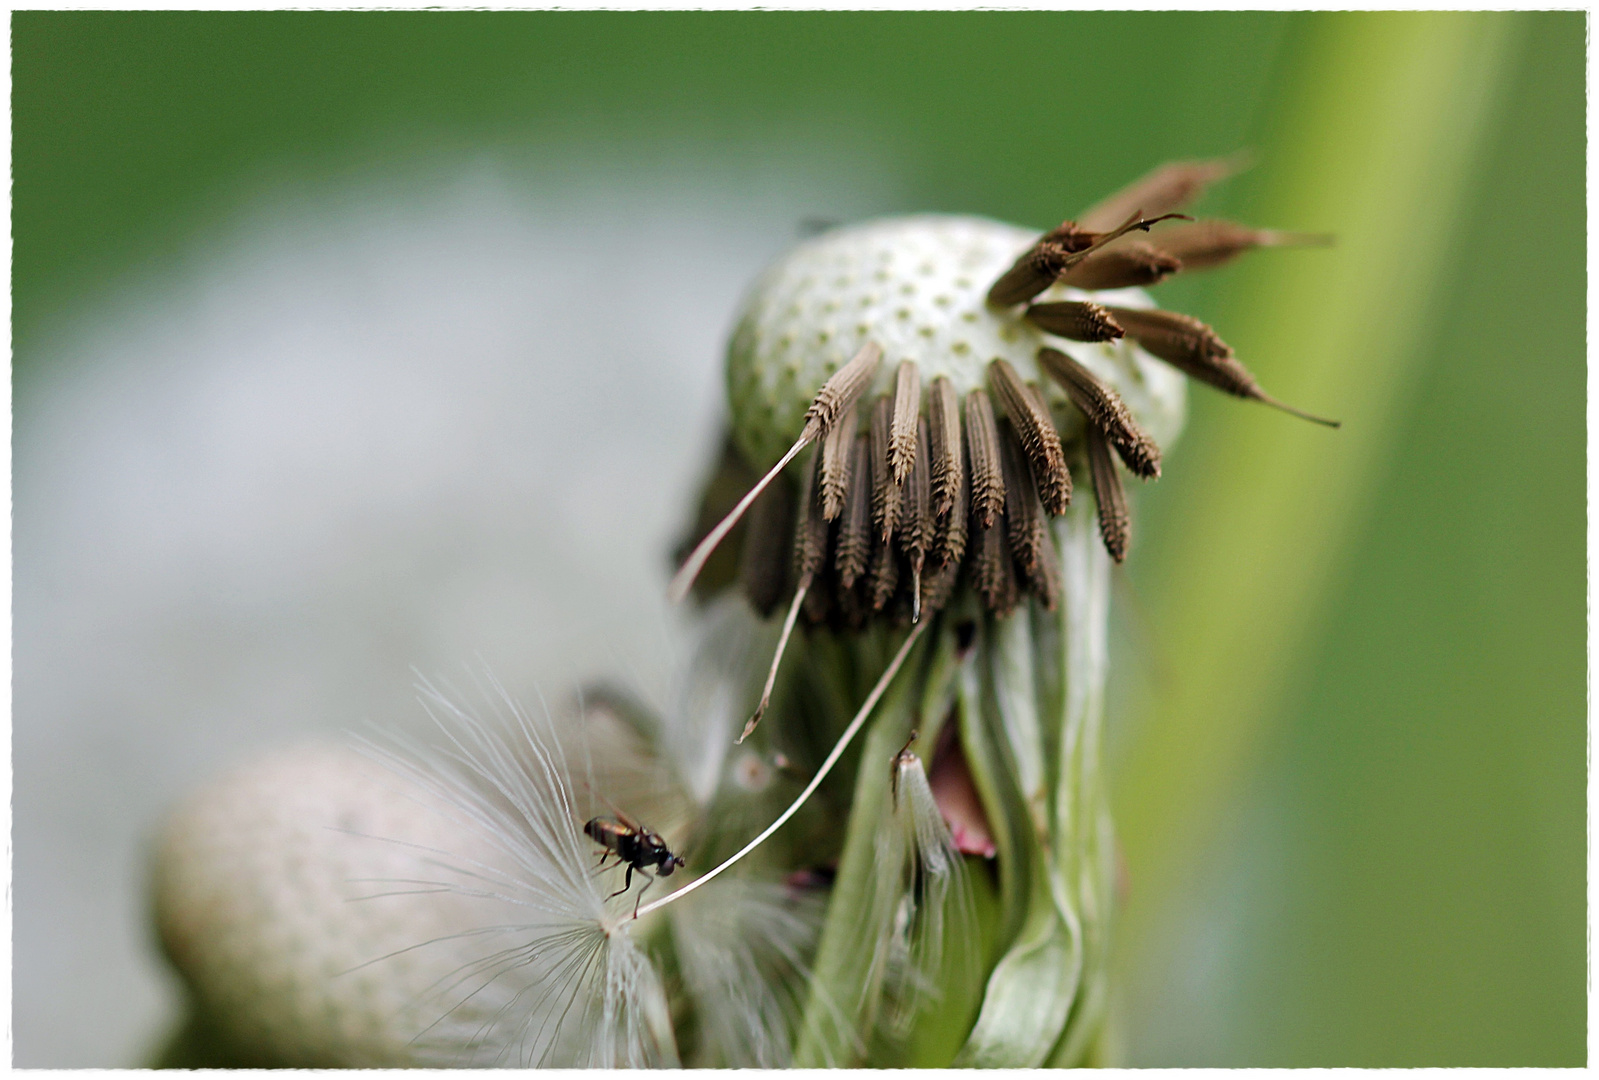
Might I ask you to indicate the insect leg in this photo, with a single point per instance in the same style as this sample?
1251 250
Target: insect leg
648 881
627 883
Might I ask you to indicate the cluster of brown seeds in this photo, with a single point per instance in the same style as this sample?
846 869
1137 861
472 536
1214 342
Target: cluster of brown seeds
904 494
900 497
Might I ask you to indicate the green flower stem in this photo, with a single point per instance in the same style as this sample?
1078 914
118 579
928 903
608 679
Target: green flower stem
1377 141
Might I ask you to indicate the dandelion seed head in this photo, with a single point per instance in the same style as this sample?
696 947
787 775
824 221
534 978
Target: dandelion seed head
917 287
431 904
1033 356
258 883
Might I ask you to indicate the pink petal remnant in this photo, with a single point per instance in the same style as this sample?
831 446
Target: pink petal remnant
957 800
969 843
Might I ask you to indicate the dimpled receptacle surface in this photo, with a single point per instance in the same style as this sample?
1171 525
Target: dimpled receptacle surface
917 287
287 895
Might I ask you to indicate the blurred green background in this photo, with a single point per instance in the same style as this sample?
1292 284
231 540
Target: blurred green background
1349 706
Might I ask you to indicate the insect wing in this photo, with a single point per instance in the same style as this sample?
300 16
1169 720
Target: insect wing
627 823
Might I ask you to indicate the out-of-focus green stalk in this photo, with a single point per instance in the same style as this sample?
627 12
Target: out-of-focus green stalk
1375 143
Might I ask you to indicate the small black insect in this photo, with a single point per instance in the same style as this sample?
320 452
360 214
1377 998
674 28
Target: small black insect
634 845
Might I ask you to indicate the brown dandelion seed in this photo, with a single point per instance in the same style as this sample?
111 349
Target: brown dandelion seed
836 395
1204 244
1075 320
949 531
810 530
1104 410
1169 187
882 580
1111 501
938 585
1046 584
841 391
838 455
1194 349
810 548
768 544
1103 240
1054 254
950 489
916 537
1036 268
993 576
944 444
855 531
902 429
1045 580
982 450
1036 429
1127 265
1024 515
885 491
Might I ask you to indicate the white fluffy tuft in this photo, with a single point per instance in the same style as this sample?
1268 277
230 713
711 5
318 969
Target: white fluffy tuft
561 983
